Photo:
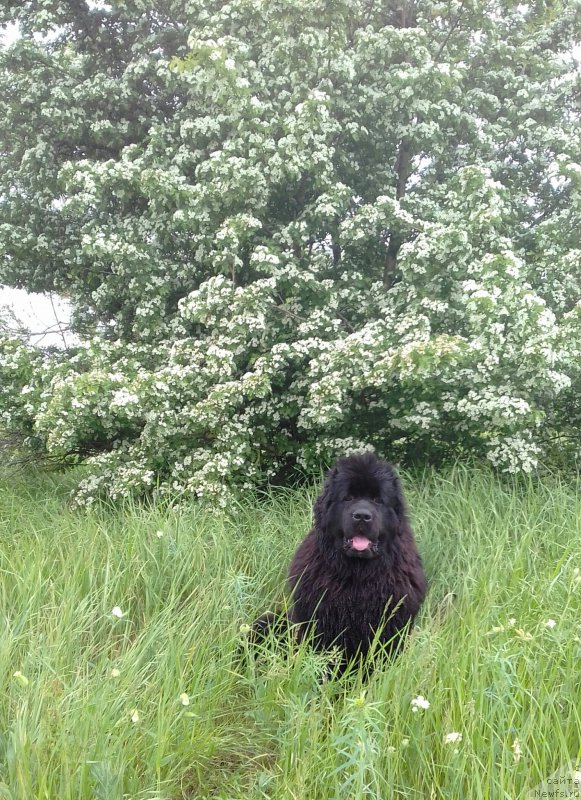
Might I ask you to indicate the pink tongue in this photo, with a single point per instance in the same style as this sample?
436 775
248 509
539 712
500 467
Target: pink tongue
360 542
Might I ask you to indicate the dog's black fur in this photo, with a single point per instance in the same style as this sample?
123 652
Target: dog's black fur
357 576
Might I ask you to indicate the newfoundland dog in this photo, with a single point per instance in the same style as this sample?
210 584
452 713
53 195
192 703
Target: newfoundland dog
357 576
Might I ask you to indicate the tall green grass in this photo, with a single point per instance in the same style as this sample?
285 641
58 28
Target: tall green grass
96 708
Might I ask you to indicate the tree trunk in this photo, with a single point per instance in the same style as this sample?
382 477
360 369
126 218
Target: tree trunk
402 172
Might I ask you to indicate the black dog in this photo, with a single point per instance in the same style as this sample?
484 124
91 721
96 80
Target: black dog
357 576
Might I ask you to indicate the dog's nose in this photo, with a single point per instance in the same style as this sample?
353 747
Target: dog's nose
362 515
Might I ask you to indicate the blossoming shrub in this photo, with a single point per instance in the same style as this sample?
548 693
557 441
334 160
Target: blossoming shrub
357 227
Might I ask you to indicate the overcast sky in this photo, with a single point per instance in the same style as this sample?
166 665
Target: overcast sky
45 316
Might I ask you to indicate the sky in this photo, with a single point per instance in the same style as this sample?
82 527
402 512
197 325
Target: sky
45 316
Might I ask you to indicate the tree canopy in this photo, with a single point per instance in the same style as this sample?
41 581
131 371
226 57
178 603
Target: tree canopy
290 230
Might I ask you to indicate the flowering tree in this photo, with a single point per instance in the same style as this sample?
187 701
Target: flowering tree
290 230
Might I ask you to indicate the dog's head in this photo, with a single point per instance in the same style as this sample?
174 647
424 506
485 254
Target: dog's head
361 508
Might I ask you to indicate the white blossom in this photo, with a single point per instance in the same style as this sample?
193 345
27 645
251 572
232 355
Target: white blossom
419 703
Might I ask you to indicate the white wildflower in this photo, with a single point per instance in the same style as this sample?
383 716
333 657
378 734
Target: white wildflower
419 703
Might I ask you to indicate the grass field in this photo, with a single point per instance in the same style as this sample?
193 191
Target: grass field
158 703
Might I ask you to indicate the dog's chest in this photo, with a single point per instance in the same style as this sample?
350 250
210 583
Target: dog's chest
352 604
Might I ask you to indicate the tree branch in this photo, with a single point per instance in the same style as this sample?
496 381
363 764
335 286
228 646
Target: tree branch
450 32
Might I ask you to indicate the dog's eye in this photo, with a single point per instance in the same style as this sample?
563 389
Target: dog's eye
348 498
376 500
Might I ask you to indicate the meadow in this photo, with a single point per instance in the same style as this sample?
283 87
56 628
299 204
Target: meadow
123 651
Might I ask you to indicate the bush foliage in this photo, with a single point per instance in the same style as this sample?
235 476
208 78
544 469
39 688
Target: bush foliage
291 230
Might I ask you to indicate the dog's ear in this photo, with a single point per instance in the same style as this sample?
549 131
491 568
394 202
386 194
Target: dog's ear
399 501
323 501
398 510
